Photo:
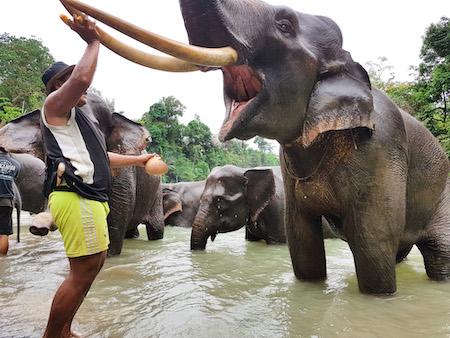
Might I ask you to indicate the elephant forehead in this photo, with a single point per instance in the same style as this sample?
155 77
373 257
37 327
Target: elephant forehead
218 189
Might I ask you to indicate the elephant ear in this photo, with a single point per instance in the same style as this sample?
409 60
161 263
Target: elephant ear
260 190
341 99
23 135
171 202
126 136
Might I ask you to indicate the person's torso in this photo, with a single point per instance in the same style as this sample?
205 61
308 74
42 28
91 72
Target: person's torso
9 169
80 145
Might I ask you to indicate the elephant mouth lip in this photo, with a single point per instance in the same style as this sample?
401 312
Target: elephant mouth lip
242 85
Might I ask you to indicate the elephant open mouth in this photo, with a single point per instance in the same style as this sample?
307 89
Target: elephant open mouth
242 84
241 88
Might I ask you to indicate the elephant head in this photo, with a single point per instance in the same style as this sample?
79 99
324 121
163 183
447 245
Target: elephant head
286 76
293 80
233 198
172 202
23 135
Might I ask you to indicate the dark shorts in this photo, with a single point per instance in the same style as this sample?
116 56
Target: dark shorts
6 221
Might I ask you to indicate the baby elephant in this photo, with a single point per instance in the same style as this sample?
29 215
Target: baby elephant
235 197
181 201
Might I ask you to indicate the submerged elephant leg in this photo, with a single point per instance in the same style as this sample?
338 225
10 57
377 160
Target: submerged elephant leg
133 233
403 253
116 237
435 245
154 232
249 236
306 246
372 231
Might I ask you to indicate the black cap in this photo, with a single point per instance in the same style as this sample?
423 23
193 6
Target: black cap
54 72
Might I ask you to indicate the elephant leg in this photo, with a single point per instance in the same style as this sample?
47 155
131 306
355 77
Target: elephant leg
403 253
116 238
154 232
133 233
373 232
435 245
306 245
249 236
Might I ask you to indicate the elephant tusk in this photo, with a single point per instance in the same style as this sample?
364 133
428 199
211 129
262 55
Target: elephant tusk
164 63
213 57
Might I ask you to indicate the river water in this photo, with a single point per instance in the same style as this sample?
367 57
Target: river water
233 289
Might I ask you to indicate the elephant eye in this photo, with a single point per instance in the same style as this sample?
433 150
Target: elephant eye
286 27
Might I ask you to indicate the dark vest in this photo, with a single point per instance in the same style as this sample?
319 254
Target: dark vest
94 140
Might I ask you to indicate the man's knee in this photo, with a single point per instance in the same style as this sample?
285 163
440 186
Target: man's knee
85 269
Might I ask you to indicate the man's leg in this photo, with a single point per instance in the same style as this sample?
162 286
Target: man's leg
71 293
67 332
4 244
5 228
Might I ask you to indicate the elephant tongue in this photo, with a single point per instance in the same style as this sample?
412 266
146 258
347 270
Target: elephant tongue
241 83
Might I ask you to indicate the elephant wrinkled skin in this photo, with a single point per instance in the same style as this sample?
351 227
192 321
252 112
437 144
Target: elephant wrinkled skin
347 152
136 197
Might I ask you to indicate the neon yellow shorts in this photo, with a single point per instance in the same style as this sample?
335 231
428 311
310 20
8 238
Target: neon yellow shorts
81 222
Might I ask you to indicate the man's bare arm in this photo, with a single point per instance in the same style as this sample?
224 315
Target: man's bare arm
119 160
59 103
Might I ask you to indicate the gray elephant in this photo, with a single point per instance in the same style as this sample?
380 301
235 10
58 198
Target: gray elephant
347 151
235 197
30 182
181 201
136 197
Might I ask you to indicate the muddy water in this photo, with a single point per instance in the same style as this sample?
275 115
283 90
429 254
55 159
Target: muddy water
233 289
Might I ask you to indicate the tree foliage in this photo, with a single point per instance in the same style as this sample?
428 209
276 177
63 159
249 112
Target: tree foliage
22 62
191 150
427 96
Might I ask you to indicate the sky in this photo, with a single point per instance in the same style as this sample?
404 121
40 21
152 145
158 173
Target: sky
388 28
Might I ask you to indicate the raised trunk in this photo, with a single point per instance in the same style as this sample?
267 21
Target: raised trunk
200 16
199 233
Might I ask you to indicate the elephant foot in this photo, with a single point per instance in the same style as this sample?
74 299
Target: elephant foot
375 273
437 259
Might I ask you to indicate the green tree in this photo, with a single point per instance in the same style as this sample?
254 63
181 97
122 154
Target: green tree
433 83
22 62
7 111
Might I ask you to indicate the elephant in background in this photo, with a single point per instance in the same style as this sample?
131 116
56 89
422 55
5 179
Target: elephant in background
181 201
235 197
136 197
347 151
30 183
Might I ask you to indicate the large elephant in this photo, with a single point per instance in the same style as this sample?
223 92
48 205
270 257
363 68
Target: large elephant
30 183
235 197
347 151
136 197
181 201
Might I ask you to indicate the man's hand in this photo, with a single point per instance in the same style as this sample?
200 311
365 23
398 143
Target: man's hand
85 27
142 159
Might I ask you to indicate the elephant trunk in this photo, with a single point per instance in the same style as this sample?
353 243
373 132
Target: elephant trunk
199 234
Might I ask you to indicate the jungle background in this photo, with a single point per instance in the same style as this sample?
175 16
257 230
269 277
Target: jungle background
191 149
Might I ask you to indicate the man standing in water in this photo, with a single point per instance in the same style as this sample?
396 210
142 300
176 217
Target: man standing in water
9 169
79 199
